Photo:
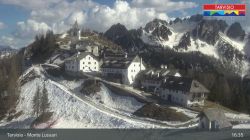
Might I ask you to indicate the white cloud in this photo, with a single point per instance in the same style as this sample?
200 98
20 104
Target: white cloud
14 42
30 28
31 4
163 5
59 15
2 25
91 15
24 34
102 17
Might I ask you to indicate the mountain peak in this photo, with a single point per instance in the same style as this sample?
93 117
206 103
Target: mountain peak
116 31
196 18
118 26
208 30
235 31
154 24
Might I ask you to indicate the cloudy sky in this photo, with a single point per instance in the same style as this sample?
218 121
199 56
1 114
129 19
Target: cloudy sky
21 20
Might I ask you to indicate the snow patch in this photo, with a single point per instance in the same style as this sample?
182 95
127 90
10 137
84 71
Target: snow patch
189 113
236 44
122 103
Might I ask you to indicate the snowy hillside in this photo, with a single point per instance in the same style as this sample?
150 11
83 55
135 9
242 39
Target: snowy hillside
189 36
71 111
178 31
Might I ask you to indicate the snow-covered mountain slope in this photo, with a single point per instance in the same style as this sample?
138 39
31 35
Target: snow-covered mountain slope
178 30
72 111
189 36
105 97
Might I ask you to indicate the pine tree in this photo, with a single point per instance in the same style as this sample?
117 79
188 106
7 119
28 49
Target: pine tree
44 100
37 102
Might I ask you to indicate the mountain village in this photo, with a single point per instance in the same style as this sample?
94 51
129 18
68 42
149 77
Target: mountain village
110 87
130 70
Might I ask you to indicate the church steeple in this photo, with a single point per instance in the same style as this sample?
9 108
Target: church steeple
75 30
76 26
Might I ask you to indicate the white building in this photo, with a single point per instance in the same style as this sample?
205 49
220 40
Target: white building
151 79
213 119
184 91
122 69
84 61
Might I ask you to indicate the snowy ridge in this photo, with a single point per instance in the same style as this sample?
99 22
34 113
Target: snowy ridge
201 46
172 41
236 44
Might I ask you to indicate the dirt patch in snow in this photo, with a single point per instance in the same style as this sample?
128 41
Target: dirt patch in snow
44 117
91 86
161 113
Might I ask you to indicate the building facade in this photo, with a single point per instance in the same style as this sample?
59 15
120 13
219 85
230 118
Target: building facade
151 79
122 69
82 62
183 91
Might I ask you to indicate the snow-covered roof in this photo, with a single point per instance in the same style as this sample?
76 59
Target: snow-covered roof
119 62
185 84
80 55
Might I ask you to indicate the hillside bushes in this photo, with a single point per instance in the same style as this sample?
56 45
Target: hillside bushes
10 70
42 48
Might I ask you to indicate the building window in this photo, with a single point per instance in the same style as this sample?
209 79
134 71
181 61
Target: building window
131 70
89 58
95 68
83 63
95 62
89 63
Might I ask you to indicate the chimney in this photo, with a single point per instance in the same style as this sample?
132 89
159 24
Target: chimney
79 34
126 55
140 63
162 66
165 80
78 53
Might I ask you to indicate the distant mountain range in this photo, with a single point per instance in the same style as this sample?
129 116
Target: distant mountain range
210 37
6 51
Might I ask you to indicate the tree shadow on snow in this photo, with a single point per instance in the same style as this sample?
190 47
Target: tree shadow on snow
19 124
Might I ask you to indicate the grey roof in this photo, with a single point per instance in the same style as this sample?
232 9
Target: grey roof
80 56
185 84
170 81
119 62
214 114
152 73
